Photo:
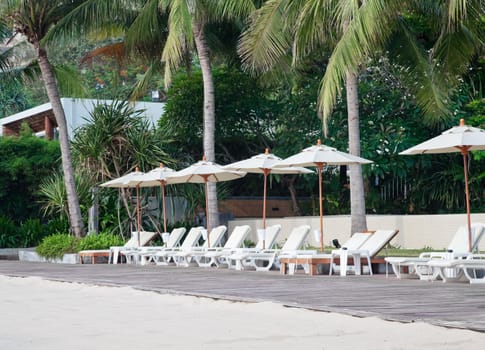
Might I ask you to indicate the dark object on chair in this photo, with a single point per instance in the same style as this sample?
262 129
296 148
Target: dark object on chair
336 243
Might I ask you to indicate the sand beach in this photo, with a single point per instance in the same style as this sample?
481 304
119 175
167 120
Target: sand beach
42 314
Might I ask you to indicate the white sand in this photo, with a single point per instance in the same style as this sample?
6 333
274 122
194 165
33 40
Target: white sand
38 314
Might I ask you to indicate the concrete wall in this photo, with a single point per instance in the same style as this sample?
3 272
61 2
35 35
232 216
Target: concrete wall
415 231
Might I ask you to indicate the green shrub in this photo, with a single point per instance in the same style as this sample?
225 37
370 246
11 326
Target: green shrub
31 233
55 246
9 233
57 225
100 241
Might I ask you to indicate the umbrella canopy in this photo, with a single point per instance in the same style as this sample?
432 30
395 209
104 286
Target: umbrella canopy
318 156
158 177
130 180
264 163
462 138
205 172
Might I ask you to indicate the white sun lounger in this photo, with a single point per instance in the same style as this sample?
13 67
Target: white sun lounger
418 266
239 258
144 255
192 238
184 257
113 252
264 260
455 270
369 248
217 256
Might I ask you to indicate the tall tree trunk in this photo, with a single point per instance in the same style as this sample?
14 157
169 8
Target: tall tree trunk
290 182
209 115
357 198
75 218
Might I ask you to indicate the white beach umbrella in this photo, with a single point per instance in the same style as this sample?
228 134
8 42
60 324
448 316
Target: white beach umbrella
160 176
130 180
205 172
462 138
264 163
318 156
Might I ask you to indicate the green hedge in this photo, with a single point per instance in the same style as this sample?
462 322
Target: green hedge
55 246
100 241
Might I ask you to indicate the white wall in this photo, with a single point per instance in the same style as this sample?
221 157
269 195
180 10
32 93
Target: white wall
78 111
415 231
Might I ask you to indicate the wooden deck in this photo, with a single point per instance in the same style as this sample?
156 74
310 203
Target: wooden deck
458 305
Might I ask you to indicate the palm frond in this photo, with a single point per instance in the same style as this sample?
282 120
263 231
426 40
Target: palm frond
457 12
265 42
144 81
313 27
425 81
180 34
365 34
230 9
149 30
94 16
68 81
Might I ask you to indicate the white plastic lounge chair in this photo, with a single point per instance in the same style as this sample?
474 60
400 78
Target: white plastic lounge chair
113 252
239 259
369 248
264 260
144 255
192 238
418 266
474 268
184 257
455 270
218 256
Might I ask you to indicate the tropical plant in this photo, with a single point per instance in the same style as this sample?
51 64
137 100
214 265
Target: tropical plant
9 233
102 240
246 116
115 139
177 28
24 163
53 196
362 30
33 19
55 246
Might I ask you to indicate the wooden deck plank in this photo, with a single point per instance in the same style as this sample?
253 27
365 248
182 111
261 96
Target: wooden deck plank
459 305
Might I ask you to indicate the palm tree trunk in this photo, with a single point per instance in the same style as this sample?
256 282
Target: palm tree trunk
75 218
209 115
357 198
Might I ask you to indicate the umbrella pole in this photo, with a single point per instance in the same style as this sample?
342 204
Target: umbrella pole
265 172
162 186
464 152
138 224
207 212
320 198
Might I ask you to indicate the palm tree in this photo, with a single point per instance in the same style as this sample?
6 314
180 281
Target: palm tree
359 30
185 31
186 24
33 19
282 24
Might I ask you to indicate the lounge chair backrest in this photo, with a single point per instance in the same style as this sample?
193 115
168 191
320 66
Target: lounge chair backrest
296 238
192 238
215 236
377 241
356 241
459 242
271 235
145 237
175 237
237 237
